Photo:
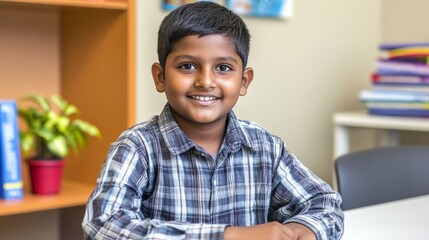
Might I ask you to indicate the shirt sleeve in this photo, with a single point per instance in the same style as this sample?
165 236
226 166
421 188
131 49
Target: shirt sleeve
300 196
113 209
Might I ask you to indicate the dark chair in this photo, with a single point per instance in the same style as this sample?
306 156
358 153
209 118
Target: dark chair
380 175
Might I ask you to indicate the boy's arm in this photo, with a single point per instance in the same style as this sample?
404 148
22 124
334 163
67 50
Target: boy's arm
128 222
113 209
270 231
301 197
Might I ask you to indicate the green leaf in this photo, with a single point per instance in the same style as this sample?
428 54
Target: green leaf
65 108
71 140
27 142
70 109
46 133
58 146
87 128
80 138
63 123
41 101
50 120
60 102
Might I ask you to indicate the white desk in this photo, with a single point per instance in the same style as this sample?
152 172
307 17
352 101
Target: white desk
398 220
387 125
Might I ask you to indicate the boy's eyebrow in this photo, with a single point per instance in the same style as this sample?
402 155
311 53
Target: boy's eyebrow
189 57
184 57
228 59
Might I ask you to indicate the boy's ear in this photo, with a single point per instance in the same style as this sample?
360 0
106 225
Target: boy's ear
246 80
158 77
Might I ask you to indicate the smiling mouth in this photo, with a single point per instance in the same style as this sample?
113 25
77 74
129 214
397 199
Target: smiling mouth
202 98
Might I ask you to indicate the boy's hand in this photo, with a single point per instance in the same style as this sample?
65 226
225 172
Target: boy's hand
270 231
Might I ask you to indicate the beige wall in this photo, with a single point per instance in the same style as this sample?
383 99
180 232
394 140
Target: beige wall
405 21
306 68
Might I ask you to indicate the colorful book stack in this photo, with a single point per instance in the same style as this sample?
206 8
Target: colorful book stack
400 85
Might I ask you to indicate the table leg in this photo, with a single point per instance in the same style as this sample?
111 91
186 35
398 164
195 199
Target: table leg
341 141
341 147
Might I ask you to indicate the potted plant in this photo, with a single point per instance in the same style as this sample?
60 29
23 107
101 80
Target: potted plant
52 130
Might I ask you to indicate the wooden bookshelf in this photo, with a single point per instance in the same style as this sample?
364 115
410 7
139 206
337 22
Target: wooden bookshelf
81 49
85 51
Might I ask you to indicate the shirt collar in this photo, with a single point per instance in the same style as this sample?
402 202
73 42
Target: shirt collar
177 142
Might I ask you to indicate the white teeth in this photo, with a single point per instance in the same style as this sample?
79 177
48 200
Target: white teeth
201 98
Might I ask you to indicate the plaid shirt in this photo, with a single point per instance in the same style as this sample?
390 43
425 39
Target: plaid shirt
158 184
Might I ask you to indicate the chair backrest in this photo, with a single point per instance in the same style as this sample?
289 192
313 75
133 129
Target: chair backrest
380 175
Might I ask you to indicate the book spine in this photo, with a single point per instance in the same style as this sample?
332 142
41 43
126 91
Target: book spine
397 105
399 79
399 112
408 88
11 186
398 68
391 46
392 96
409 52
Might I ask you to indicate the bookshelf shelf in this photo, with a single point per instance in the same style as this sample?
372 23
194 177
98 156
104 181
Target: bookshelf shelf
72 194
102 4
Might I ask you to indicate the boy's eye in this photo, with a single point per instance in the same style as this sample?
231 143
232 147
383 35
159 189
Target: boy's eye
224 68
187 66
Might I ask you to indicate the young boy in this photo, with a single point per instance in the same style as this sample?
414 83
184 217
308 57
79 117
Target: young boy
196 171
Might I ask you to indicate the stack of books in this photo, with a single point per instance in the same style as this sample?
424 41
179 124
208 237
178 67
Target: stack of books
400 85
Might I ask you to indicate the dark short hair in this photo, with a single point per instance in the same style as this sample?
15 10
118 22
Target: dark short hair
202 18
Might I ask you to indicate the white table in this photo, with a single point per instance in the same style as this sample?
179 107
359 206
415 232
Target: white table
398 220
387 125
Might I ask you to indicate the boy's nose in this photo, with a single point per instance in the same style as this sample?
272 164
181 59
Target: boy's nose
205 79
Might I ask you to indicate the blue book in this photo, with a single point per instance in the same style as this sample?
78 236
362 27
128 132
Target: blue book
399 112
392 96
390 46
11 186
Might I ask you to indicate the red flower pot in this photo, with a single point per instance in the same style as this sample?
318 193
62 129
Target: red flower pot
46 176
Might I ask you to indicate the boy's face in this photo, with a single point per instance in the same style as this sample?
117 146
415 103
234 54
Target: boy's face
202 79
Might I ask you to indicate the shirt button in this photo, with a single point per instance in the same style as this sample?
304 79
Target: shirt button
215 182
